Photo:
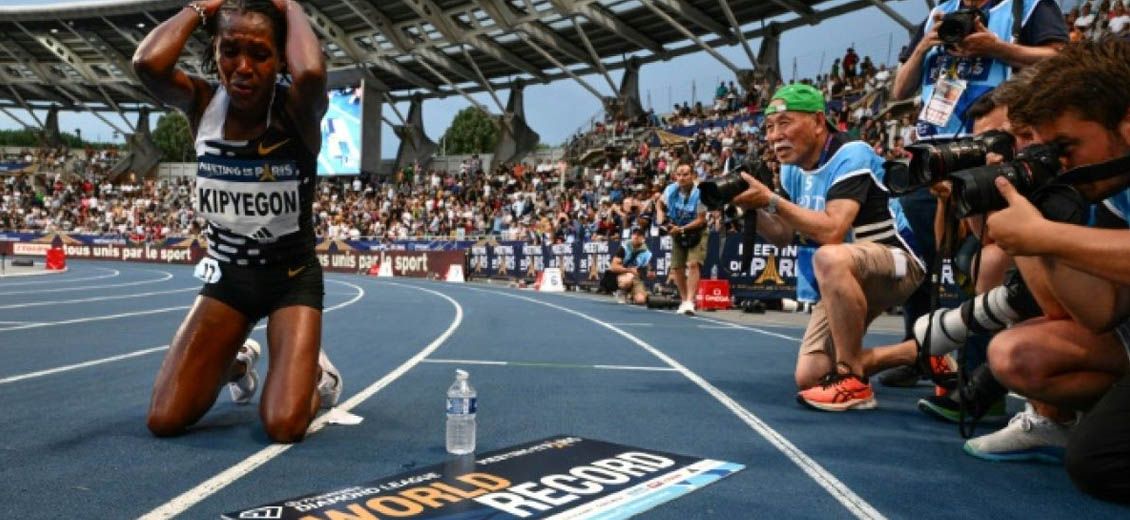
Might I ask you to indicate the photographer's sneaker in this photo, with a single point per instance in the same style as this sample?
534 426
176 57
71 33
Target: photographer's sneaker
620 298
330 385
946 408
687 308
838 393
1028 436
243 389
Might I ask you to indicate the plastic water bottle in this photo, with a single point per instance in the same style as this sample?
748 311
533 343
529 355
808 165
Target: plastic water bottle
461 407
714 272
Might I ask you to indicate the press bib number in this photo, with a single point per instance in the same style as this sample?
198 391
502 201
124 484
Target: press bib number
207 271
947 92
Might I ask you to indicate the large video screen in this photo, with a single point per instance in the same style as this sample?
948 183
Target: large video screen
341 134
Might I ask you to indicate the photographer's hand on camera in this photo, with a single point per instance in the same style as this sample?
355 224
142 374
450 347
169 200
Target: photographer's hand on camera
1019 229
981 42
755 197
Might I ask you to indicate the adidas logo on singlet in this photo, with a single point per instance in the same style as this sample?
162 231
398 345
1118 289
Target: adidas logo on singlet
263 235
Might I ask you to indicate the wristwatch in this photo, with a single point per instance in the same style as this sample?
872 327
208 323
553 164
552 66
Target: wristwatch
772 207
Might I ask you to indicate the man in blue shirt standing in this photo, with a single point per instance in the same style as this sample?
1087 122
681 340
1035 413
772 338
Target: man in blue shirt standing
854 256
681 206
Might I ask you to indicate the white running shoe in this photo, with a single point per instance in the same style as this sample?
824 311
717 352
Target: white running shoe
243 389
330 385
687 308
620 298
1028 436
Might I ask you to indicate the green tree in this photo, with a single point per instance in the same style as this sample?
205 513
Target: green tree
472 131
173 137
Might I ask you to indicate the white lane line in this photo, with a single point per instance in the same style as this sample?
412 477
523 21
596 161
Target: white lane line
97 299
466 362
746 327
544 365
94 318
77 366
640 324
709 320
167 276
113 273
12 379
853 502
642 369
209 487
716 327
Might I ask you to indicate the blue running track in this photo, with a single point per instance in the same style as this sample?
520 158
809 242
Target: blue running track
79 351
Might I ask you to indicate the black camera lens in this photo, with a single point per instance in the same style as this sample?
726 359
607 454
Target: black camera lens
717 192
955 26
930 163
975 191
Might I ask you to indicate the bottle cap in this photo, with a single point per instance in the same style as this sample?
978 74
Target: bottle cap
461 374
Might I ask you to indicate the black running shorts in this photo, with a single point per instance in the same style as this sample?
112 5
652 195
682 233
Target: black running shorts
258 291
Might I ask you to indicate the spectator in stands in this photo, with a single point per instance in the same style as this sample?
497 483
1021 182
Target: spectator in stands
833 190
246 277
851 60
683 216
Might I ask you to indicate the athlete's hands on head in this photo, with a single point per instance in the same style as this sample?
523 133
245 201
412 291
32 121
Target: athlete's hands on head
281 5
211 6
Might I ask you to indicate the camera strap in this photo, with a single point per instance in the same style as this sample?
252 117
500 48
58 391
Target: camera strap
1017 19
1097 172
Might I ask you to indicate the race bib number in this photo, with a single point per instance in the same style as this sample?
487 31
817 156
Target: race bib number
207 271
947 92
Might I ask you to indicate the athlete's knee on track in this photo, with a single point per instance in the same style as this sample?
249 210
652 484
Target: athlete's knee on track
286 426
165 423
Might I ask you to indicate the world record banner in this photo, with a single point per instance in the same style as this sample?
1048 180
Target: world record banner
560 477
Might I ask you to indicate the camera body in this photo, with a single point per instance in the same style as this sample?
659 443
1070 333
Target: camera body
1034 168
955 26
719 191
930 163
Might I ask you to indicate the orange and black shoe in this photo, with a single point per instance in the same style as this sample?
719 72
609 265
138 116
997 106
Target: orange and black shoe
838 393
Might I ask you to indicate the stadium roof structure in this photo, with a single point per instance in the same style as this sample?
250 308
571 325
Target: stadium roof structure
76 55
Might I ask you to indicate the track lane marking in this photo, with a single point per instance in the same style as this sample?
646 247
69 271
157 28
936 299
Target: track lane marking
209 487
97 299
538 364
167 276
859 507
94 362
113 273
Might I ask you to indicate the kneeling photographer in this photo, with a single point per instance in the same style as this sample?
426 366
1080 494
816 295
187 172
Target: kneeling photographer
1075 357
854 257
624 276
1039 432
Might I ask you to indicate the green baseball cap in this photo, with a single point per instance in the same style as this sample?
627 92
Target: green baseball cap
796 97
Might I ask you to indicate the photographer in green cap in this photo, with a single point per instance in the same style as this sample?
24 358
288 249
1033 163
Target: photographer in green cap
854 257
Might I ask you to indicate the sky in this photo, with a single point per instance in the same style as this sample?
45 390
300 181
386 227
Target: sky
559 109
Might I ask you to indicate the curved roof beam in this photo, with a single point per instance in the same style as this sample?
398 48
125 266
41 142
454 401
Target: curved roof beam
701 19
803 11
601 16
429 11
77 64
